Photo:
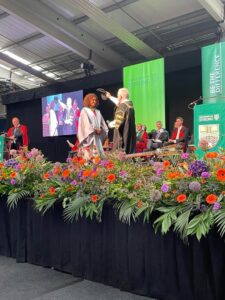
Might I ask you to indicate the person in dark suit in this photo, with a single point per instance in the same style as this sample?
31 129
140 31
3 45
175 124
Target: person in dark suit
158 137
180 134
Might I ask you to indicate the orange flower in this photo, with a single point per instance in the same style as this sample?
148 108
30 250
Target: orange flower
65 173
111 177
94 198
203 180
166 164
181 198
139 204
87 173
211 155
173 175
12 174
96 160
211 199
75 159
1 165
81 161
94 174
46 175
52 190
110 165
42 196
56 170
220 174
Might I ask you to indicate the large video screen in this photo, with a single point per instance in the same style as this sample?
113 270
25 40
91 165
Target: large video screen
60 113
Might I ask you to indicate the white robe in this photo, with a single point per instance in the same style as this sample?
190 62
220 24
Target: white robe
88 122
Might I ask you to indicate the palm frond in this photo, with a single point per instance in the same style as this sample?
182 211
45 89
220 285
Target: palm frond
220 221
75 208
181 223
13 198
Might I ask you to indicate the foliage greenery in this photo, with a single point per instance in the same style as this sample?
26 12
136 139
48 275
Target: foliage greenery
186 194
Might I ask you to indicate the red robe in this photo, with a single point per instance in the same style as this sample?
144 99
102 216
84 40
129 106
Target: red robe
23 129
142 144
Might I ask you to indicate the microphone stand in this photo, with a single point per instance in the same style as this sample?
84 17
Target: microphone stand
193 103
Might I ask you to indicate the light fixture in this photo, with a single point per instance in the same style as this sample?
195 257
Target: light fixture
37 68
16 57
5 67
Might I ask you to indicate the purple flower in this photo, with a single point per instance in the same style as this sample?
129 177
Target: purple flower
29 155
216 206
74 182
13 181
17 167
195 186
165 188
205 174
79 174
11 163
69 159
184 155
159 172
123 173
104 163
198 167
34 152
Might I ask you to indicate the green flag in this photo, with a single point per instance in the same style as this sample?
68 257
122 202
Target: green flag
213 73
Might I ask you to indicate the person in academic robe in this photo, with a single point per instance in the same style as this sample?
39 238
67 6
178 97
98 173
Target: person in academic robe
17 135
180 134
141 138
92 129
124 136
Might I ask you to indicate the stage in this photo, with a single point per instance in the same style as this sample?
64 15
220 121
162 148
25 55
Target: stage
131 258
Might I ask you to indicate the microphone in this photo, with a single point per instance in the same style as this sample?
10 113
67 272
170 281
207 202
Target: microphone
196 101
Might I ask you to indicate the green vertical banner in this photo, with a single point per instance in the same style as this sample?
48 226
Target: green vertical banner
213 73
146 85
2 141
209 121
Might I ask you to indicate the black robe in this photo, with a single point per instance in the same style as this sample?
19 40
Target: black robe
124 137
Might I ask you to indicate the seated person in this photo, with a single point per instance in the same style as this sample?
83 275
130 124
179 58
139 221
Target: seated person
141 138
180 134
158 137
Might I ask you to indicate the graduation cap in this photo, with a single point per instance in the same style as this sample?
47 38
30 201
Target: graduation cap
102 92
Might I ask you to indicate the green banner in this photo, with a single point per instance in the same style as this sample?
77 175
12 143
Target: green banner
146 85
209 121
2 140
213 73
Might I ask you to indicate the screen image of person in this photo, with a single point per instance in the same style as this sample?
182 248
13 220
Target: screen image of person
92 129
17 134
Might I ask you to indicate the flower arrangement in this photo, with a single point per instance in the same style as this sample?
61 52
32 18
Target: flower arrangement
186 193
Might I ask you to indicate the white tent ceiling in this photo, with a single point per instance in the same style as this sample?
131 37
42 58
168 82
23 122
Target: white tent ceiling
53 37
